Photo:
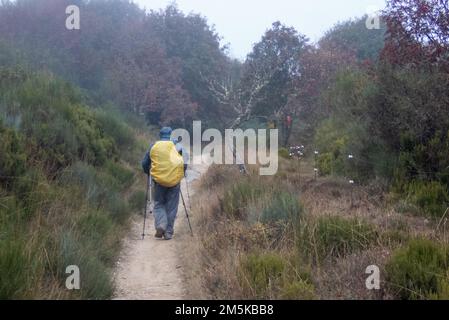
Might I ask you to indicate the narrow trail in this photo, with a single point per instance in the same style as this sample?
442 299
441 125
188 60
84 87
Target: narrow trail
152 269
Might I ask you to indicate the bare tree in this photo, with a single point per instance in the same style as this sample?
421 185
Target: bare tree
270 75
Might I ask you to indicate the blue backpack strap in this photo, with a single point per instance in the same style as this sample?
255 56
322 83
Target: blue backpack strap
146 162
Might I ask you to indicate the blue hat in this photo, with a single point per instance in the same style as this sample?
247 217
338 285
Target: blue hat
166 133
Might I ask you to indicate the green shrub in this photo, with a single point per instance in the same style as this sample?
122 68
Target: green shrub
10 76
59 128
270 276
137 200
116 128
95 146
298 290
284 153
13 156
336 237
443 289
237 199
98 235
124 176
331 140
80 174
118 208
348 129
419 271
18 268
285 207
95 226
431 197
53 142
409 114
262 271
34 191
325 164
65 192
9 206
85 177
96 282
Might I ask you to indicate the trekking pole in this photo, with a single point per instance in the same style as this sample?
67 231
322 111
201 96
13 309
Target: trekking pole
188 193
187 213
236 158
146 205
316 167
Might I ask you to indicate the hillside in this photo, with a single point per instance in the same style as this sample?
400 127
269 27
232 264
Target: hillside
65 170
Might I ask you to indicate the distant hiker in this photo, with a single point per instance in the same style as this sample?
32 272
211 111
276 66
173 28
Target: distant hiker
287 129
166 161
288 122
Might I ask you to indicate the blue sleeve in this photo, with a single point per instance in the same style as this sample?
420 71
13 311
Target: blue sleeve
182 151
185 155
146 162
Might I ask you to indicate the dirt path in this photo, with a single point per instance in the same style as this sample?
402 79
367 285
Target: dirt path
152 269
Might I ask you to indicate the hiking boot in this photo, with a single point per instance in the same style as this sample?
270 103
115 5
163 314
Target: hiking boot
168 236
160 233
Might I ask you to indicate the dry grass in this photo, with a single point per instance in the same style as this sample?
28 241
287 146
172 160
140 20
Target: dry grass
225 241
199 252
72 220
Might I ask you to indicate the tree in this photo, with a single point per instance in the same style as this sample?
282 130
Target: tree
118 55
268 78
319 69
353 38
189 40
347 46
418 32
272 70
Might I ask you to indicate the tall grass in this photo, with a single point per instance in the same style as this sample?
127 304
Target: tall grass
275 238
63 190
420 271
328 237
254 221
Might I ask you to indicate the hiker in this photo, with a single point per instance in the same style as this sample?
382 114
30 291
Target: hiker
166 161
288 122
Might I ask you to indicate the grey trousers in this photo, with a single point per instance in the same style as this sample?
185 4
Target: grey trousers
166 202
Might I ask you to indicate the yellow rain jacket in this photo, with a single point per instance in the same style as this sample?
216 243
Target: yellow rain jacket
167 165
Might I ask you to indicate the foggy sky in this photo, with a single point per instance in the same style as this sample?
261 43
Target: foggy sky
242 22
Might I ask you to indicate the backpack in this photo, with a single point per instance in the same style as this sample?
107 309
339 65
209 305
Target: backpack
167 165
